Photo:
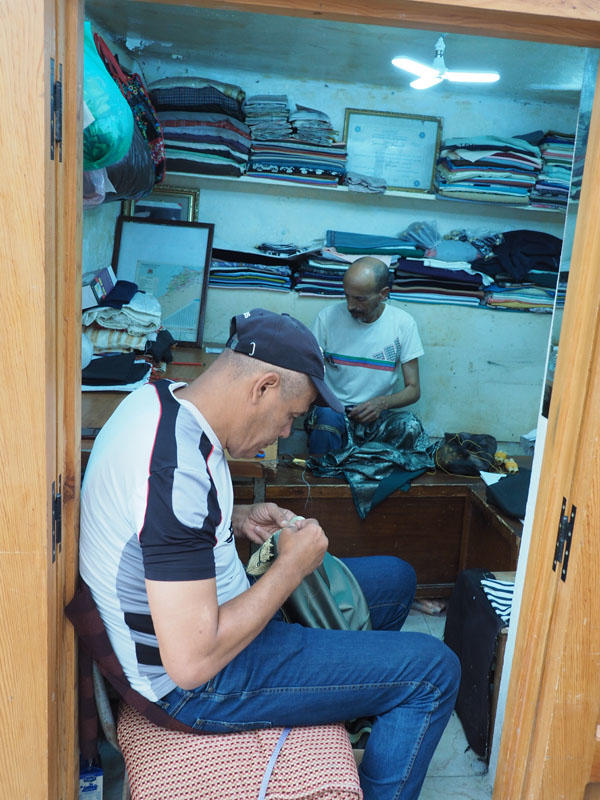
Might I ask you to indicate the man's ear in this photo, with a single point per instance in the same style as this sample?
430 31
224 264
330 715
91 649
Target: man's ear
263 383
385 292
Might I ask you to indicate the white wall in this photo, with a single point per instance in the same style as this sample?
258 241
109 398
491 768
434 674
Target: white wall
482 370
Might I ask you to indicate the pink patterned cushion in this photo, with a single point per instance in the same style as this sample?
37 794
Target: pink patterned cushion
315 763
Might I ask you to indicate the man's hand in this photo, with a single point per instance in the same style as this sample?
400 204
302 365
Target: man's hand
368 411
303 544
259 521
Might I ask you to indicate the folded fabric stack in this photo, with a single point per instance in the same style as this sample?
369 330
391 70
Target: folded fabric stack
298 162
311 125
123 328
267 116
552 186
371 244
488 168
203 126
432 281
233 269
524 265
523 298
364 183
322 274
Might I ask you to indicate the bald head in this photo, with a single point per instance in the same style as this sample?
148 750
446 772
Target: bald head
369 271
366 286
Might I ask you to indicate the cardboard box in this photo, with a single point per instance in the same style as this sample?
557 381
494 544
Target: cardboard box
96 285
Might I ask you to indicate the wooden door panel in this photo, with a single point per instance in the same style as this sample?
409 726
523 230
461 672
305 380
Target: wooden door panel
554 629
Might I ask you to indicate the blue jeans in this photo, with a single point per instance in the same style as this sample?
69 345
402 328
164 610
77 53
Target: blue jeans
326 430
292 675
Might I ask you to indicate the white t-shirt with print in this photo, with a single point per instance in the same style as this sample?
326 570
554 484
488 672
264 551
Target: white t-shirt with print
363 359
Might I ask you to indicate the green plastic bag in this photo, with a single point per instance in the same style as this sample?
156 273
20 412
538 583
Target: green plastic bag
108 138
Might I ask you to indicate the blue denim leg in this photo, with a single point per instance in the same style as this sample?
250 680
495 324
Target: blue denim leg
329 433
388 584
291 675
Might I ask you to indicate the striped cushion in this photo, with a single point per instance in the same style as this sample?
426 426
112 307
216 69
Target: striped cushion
315 763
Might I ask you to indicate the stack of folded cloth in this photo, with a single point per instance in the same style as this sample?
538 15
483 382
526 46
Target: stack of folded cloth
298 162
371 244
126 321
552 186
322 273
267 116
364 183
232 269
203 125
524 297
311 125
430 280
488 168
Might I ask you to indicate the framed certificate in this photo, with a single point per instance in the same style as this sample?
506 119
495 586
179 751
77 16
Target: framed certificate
401 149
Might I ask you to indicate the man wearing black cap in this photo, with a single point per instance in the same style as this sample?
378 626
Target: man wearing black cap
157 551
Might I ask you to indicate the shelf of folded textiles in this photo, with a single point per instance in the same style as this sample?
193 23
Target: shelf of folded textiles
286 183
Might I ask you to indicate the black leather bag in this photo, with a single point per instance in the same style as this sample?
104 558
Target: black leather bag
466 453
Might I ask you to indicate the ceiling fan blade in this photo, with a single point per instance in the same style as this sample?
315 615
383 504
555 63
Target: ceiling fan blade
471 77
414 67
426 82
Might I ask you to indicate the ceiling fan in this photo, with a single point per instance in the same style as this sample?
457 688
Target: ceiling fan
430 76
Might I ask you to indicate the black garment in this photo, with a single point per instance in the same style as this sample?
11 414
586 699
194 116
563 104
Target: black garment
121 293
160 350
472 628
510 493
113 370
519 252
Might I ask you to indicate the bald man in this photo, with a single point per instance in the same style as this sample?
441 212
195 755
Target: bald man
371 353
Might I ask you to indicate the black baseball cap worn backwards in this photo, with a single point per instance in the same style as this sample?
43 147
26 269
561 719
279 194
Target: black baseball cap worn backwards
284 341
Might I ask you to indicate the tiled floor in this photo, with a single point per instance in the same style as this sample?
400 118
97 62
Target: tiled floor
455 772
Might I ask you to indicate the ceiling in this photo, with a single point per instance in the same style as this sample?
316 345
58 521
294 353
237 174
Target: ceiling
339 52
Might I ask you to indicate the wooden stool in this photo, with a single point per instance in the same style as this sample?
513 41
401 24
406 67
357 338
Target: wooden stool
315 763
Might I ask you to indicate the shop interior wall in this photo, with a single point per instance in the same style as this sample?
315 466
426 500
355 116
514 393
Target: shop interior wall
482 370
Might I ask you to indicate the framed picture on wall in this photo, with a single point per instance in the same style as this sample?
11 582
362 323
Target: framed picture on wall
399 148
165 202
169 259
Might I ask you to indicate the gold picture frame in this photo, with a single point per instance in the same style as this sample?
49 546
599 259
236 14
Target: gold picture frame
399 148
170 203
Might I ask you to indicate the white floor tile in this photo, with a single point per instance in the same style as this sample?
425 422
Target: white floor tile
453 757
474 788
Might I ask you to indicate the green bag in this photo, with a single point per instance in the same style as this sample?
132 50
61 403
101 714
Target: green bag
330 597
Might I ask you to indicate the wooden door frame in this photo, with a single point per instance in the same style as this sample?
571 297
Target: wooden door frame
577 23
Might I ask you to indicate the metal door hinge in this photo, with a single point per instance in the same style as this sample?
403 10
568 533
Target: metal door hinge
563 539
56 517
56 106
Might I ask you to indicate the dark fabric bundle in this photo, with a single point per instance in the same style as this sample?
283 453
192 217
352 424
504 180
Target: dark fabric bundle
113 370
521 251
378 458
466 453
132 176
510 493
